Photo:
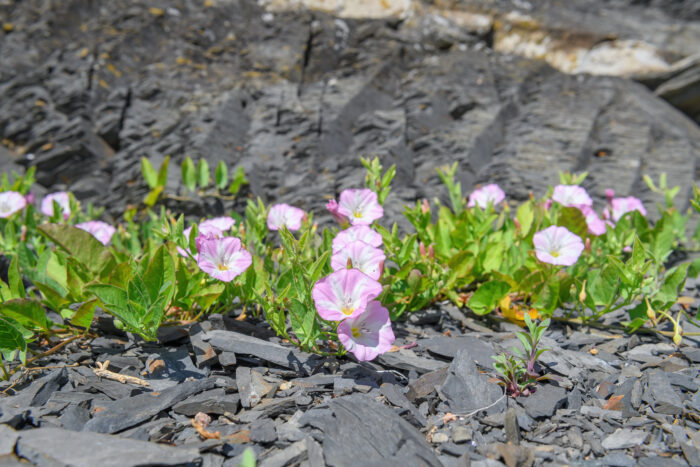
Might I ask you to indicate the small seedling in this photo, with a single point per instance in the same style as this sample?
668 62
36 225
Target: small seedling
517 370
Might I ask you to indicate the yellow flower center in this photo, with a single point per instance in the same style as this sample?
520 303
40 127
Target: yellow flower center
357 214
222 267
355 332
347 310
554 254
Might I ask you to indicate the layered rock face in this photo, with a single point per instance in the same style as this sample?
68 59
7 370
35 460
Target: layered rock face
295 95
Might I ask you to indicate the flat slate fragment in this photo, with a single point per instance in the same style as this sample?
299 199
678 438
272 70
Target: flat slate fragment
407 360
385 438
466 390
215 401
131 411
544 402
624 438
270 352
448 347
54 446
8 437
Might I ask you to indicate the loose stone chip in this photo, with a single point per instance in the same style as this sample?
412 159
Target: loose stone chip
103 372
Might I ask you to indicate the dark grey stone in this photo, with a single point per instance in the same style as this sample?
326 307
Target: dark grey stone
544 402
268 408
467 390
204 353
251 386
624 438
47 385
407 360
74 417
618 459
263 431
176 365
215 401
291 455
241 344
448 347
385 438
661 394
8 438
126 413
426 384
54 446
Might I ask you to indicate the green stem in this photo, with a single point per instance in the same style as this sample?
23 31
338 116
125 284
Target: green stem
4 370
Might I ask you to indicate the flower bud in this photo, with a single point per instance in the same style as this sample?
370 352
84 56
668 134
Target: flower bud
425 206
582 294
677 338
587 244
414 277
421 249
431 252
651 314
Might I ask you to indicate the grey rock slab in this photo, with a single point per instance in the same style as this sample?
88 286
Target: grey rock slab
8 437
215 401
406 359
661 394
618 459
268 408
54 446
203 351
241 344
251 386
426 384
176 365
263 431
624 438
544 402
466 390
448 347
384 439
74 417
126 413
291 455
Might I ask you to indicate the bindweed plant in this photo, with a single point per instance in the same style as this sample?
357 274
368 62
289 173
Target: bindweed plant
517 372
336 289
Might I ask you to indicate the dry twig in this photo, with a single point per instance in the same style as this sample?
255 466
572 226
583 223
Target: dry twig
103 372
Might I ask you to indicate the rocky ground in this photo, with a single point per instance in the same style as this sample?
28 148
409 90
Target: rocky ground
512 90
615 400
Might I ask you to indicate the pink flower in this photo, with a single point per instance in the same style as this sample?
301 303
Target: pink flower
358 232
221 223
360 206
203 229
98 229
369 334
621 206
344 294
481 197
30 197
571 196
556 245
11 202
61 197
596 225
222 258
364 257
332 206
609 195
284 214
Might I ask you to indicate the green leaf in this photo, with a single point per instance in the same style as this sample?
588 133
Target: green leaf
487 296
673 284
525 215
152 197
163 172
303 321
203 173
83 317
239 179
159 277
221 175
316 269
82 246
114 299
574 220
26 312
189 176
149 173
11 339
248 458
15 279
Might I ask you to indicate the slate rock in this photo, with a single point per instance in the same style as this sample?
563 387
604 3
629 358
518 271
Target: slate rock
241 344
291 455
624 438
74 417
447 347
263 431
251 386
55 446
617 459
466 390
47 385
661 395
544 402
173 365
8 437
426 384
385 438
406 359
203 351
215 402
268 408
131 411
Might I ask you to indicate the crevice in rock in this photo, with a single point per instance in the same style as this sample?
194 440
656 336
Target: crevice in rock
307 55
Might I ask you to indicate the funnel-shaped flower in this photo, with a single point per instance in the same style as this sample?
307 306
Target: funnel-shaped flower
368 335
98 229
481 197
596 225
223 223
358 232
222 258
203 230
571 196
360 206
556 245
61 197
11 202
284 214
364 257
344 294
621 206
332 207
